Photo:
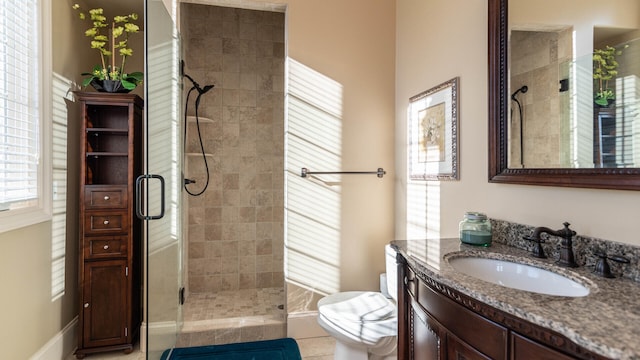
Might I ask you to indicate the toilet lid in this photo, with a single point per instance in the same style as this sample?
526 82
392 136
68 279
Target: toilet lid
357 306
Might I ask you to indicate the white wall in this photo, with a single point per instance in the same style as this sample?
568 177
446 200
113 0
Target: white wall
352 42
458 47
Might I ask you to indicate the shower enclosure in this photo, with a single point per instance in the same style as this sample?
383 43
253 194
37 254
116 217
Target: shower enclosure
235 238
220 253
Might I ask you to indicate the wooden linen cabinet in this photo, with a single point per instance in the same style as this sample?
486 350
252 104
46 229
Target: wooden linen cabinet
110 242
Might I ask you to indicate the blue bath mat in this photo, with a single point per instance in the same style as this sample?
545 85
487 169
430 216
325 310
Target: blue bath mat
279 349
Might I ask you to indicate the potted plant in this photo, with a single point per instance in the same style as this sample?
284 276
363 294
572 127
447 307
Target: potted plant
110 39
605 68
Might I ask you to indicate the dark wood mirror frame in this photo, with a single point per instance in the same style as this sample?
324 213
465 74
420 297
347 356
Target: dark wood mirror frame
609 178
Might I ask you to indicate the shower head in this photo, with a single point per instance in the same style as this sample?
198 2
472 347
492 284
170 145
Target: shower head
523 90
195 84
205 89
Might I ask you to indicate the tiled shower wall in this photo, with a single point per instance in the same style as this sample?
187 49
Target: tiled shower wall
536 58
235 232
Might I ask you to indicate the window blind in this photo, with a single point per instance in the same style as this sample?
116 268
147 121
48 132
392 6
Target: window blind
19 108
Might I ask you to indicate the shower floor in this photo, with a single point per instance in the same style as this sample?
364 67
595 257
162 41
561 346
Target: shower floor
233 316
233 304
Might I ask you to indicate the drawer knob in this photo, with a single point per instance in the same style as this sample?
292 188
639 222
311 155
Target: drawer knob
106 222
106 197
86 305
106 247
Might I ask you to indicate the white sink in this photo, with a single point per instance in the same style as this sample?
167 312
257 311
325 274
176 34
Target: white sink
518 276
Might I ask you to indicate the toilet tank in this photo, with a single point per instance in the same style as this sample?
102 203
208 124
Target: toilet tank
392 271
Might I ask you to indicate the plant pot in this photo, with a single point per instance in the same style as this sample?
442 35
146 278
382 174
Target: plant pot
111 86
609 103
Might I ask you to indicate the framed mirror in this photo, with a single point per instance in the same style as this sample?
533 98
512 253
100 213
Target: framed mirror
545 128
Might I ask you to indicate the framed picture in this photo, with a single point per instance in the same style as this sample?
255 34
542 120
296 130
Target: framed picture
433 133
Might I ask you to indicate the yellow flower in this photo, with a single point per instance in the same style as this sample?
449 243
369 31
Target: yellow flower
98 44
117 31
91 32
75 7
119 19
131 28
126 52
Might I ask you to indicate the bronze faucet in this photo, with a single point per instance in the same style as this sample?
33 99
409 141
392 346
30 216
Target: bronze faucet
566 246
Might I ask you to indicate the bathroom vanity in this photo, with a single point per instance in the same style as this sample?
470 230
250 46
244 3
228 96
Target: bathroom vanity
445 314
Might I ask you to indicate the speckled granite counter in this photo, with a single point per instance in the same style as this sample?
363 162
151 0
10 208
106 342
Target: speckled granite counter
607 321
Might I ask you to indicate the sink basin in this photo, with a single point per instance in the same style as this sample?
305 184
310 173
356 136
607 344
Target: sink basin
518 276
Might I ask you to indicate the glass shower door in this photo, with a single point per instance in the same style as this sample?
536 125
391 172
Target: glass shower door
163 181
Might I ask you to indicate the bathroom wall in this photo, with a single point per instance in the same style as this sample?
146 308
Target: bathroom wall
334 38
235 234
431 208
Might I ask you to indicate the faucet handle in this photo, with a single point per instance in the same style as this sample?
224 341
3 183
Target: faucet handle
537 250
567 230
602 266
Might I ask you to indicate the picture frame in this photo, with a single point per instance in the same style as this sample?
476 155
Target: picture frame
433 133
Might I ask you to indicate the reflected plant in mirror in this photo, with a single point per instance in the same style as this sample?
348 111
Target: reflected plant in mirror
605 69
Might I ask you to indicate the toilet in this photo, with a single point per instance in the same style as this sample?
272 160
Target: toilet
364 323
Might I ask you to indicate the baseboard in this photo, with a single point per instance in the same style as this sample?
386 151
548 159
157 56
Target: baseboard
61 345
163 334
304 325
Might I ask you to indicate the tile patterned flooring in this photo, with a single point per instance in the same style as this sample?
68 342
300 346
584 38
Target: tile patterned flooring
235 316
234 304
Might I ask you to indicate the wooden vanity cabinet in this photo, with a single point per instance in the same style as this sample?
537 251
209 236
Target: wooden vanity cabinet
110 243
437 322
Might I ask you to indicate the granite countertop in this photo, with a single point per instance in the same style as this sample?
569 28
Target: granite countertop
606 322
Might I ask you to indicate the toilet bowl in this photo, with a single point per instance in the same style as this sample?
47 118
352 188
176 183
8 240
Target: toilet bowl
364 323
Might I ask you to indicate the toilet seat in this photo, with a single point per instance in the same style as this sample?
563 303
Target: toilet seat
360 317
358 306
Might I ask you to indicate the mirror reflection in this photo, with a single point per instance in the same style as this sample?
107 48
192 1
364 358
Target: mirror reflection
574 79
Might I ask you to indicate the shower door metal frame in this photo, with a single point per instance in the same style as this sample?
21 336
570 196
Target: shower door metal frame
162 210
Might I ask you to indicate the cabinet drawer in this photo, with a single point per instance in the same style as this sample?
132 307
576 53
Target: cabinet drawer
105 247
525 349
103 222
105 197
482 334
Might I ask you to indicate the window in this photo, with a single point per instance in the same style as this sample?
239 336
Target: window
25 57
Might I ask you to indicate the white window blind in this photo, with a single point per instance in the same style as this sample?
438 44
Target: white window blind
19 107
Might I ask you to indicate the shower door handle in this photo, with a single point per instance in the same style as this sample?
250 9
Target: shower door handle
139 199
